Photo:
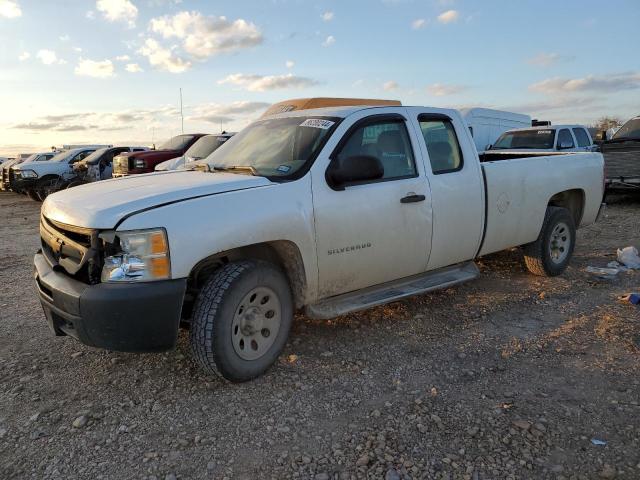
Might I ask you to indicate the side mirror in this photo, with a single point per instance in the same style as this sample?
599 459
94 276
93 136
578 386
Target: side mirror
358 168
564 146
488 147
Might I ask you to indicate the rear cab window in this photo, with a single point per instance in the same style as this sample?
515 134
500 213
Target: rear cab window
565 139
443 147
581 137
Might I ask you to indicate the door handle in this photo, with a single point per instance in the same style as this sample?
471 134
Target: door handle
413 198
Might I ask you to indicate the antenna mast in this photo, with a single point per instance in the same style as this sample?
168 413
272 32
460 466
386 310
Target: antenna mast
181 114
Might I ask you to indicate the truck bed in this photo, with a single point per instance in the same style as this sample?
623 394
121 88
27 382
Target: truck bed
518 192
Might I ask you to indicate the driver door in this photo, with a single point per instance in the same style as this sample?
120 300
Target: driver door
372 232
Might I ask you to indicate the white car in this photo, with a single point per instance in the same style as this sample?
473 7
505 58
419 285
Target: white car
552 138
39 179
203 147
331 210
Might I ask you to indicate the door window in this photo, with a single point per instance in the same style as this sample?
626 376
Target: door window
389 142
565 139
581 137
442 143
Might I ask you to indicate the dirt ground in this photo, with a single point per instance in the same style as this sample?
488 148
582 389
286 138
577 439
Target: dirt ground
509 376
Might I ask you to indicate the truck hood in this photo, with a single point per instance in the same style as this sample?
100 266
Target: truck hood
103 204
45 168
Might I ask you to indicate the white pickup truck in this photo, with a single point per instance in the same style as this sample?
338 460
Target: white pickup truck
332 210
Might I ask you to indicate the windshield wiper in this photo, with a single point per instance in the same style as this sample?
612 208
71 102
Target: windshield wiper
236 168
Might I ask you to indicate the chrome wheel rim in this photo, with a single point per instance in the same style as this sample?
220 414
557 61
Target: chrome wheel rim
559 242
256 323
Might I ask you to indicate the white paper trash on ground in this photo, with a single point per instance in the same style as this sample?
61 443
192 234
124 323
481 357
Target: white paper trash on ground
628 257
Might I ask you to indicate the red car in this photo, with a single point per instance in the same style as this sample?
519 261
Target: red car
144 162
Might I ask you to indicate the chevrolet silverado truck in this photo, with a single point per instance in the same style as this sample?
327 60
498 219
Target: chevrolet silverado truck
144 162
202 148
329 210
622 158
543 139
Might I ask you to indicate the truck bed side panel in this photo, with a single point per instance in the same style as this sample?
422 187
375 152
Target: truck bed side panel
518 192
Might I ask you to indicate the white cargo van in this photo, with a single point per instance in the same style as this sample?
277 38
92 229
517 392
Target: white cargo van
486 124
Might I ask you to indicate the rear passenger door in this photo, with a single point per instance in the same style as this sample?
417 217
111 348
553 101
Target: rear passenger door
457 189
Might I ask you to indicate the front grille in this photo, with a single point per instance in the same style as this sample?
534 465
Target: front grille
77 250
120 165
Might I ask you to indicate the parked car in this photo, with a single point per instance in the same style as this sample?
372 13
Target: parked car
566 138
5 169
332 210
622 157
99 165
3 159
202 148
486 124
36 157
39 179
144 162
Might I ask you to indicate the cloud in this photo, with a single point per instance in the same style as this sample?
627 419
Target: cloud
91 15
163 58
449 16
261 83
94 68
442 90
64 38
123 58
118 11
226 113
133 68
24 56
327 16
77 49
330 40
548 59
290 64
204 36
613 82
10 9
418 24
390 85
48 57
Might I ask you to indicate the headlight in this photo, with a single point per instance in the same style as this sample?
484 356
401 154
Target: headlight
26 173
144 257
140 164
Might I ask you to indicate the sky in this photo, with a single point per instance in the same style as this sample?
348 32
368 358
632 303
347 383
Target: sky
110 71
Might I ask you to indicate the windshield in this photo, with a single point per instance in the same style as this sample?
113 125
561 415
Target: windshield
61 157
275 147
32 158
531 139
176 143
631 129
95 155
205 146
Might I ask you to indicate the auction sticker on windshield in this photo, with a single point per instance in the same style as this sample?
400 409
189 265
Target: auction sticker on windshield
317 123
544 132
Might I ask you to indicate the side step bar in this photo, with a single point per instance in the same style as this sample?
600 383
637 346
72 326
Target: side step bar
392 291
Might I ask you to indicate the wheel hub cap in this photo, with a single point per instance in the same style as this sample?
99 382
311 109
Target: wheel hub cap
256 323
559 242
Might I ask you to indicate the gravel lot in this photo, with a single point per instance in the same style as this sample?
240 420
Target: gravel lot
509 376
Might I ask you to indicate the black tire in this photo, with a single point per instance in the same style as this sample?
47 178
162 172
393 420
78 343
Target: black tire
212 328
33 195
538 257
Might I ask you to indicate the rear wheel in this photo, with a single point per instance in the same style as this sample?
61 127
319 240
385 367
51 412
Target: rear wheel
550 254
241 320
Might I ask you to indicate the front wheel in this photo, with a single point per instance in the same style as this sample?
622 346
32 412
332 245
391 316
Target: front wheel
550 254
241 320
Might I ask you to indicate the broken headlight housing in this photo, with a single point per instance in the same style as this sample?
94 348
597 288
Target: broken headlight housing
143 257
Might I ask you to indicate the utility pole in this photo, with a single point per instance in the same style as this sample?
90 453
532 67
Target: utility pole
181 114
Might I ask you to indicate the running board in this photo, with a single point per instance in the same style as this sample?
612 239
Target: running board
392 291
